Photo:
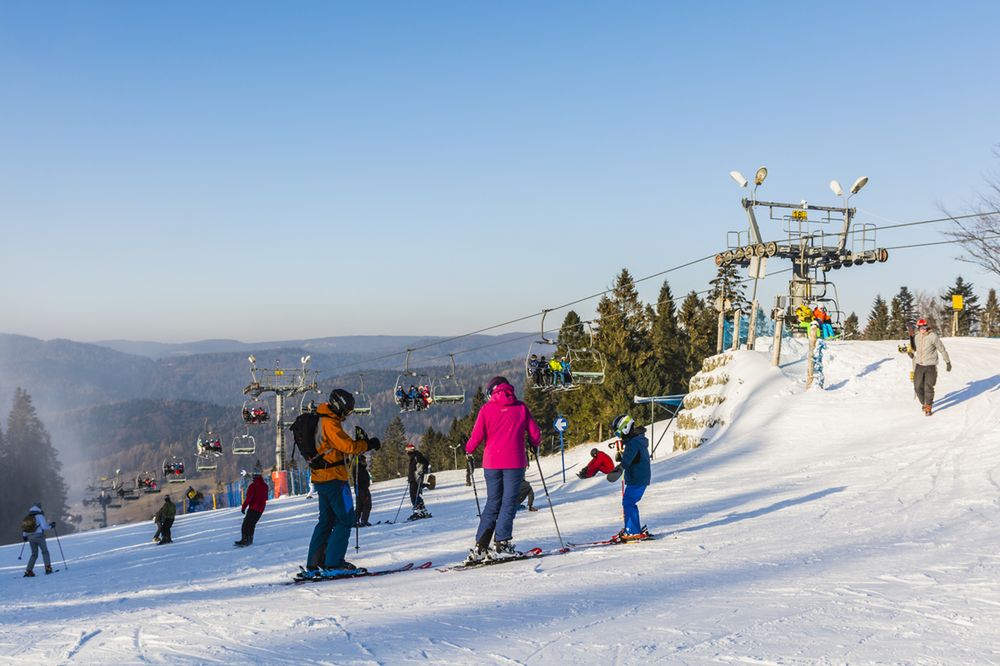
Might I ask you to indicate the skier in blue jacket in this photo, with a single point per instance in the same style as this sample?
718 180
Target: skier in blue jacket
635 464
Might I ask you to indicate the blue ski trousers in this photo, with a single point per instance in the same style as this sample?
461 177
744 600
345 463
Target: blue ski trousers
502 488
630 501
336 518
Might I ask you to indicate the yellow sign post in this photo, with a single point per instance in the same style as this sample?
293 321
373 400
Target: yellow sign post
957 304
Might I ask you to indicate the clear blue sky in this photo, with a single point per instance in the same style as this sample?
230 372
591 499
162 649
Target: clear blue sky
196 170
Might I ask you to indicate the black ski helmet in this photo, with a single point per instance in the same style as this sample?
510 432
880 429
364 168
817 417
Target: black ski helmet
593 453
341 402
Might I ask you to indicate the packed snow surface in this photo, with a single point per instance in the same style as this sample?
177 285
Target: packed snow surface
829 526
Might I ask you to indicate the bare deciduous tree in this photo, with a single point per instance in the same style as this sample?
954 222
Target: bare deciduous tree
980 236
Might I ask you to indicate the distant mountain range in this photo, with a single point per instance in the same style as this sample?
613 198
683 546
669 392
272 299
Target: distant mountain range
130 404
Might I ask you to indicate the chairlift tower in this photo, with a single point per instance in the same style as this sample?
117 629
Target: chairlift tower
283 384
816 239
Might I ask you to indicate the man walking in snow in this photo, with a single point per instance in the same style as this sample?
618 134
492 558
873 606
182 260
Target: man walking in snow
925 360
33 531
253 508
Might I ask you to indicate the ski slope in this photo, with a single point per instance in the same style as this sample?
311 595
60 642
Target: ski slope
834 526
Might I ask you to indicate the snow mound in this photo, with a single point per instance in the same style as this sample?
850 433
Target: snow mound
836 525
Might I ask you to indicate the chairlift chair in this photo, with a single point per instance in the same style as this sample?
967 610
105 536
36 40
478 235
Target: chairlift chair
208 443
173 470
401 391
255 411
362 403
587 365
244 444
447 389
543 377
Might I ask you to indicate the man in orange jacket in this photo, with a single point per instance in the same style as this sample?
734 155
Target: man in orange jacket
329 477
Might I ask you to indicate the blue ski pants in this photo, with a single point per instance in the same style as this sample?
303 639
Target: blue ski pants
502 488
336 518
630 501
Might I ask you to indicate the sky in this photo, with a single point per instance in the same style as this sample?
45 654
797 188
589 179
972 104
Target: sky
259 171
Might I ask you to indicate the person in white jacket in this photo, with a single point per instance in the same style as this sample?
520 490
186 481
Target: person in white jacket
36 538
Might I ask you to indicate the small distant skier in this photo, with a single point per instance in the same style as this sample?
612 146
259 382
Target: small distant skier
253 508
33 531
165 520
502 423
599 462
364 482
925 359
635 464
330 479
418 469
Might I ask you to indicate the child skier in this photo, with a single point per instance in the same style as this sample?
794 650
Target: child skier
33 531
635 463
253 508
417 470
364 493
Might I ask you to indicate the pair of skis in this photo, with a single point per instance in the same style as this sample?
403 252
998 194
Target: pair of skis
304 577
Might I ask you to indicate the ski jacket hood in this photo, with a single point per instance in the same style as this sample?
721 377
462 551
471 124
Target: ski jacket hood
502 424
256 498
333 445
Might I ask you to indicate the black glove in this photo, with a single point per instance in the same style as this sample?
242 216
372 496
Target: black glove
53 525
618 457
243 510
947 366
24 538
374 444
470 459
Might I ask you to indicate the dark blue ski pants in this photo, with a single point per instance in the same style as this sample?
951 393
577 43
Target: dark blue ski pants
630 501
502 488
333 530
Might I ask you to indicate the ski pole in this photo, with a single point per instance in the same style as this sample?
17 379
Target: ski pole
546 487
22 550
470 462
61 553
357 523
400 507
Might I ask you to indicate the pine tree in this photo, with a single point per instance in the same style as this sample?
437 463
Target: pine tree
729 283
877 327
901 311
698 321
851 326
34 466
991 316
389 462
670 344
968 316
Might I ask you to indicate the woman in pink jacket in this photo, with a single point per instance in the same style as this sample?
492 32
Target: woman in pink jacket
502 424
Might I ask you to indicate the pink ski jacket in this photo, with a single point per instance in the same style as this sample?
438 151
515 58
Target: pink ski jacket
502 424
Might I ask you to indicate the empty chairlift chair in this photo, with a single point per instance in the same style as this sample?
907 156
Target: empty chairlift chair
362 403
244 445
447 389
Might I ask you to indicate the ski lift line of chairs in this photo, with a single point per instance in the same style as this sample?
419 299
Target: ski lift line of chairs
245 444
416 396
173 470
447 389
255 412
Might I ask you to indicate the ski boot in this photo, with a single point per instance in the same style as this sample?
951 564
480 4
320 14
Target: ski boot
48 569
503 550
29 574
477 555
341 570
624 536
241 542
927 410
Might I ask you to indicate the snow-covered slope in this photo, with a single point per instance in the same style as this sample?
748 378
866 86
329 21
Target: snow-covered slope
821 526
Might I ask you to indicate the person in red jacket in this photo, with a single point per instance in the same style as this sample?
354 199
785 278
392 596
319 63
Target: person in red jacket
253 507
599 462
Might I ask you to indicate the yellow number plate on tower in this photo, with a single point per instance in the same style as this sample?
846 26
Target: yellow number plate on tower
800 215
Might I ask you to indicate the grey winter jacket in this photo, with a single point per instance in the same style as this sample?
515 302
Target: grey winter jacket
928 346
